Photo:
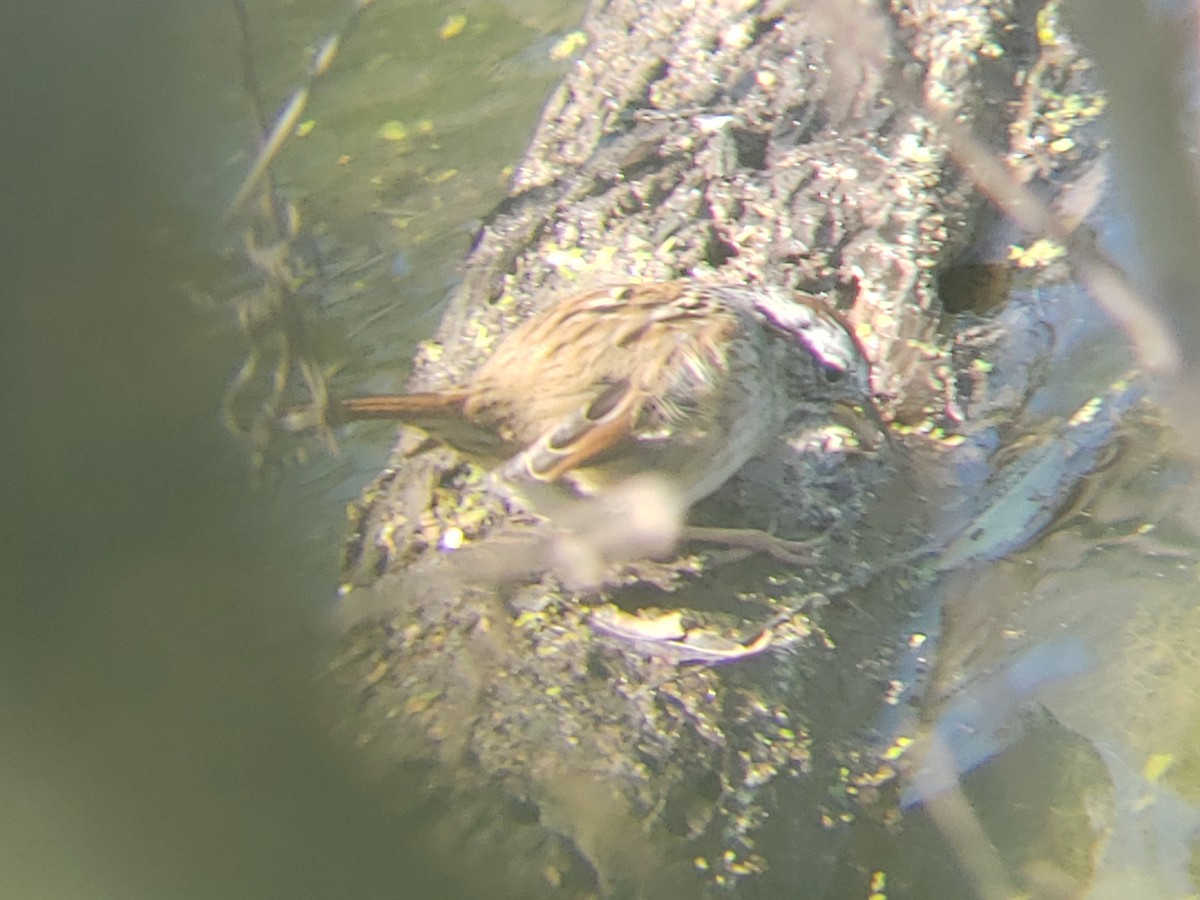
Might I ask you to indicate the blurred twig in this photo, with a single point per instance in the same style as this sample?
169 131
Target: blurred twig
1145 57
860 29
1153 343
275 134
272 315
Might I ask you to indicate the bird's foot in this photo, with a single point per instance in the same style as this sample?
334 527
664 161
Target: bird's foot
752 540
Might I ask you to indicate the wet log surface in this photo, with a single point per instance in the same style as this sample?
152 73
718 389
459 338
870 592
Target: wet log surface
752 142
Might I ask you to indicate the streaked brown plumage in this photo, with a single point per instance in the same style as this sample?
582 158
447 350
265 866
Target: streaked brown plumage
686 379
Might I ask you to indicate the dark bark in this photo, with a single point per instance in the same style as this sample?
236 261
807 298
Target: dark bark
730 141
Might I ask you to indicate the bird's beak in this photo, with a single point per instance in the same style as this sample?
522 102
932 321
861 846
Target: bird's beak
871 408
868 409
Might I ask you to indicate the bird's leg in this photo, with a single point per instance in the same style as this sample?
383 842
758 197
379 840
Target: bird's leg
756 541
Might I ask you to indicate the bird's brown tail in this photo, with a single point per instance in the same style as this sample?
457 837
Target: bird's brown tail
438 412
416 409
407 407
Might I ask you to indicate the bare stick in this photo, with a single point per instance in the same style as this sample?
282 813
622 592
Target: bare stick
276 134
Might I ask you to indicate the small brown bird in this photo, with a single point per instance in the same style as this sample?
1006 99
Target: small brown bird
685 379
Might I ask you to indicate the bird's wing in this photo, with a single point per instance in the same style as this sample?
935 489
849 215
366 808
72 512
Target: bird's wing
581 437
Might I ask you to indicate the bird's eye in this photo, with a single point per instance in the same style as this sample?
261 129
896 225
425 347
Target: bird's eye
834 375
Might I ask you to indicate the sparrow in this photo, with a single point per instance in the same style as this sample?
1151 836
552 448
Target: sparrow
685 379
